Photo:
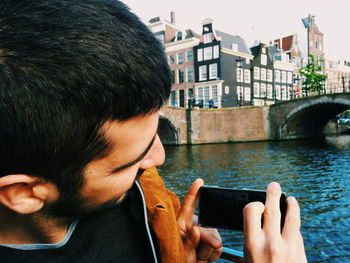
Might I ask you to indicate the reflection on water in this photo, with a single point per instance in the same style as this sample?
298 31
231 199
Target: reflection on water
315 172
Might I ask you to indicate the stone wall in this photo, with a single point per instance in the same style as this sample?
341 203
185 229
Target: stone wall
229 125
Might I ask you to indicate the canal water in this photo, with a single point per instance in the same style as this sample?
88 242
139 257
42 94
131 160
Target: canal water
316 172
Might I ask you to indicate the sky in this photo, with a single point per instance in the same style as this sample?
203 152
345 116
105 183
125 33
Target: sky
261 20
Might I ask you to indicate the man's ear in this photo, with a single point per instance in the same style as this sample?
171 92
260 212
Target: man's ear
26 194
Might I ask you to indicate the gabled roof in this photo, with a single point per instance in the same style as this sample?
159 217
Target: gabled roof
227 41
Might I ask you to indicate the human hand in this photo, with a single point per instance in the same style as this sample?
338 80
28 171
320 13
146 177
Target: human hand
200 243
266 244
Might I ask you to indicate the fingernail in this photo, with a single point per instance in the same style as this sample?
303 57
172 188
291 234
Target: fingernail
274 185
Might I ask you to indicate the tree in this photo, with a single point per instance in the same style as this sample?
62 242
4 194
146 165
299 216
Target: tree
314 79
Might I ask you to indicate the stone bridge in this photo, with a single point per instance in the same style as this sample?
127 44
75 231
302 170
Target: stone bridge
305 117
294 119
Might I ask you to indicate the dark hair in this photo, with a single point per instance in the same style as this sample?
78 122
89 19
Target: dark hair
66 67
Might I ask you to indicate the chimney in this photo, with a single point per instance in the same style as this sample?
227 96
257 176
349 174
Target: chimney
172 18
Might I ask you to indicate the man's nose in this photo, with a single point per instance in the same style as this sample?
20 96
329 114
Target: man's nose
155 156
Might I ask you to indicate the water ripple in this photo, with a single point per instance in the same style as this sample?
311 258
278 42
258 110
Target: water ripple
317 173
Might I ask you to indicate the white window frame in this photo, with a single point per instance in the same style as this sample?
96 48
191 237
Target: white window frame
284 92
277 75
257 73
283 77
200 54
247 93
269 75
256 89
213 71
278 92
263 74
178 58
269 91
202 72
216 51
188 51
263 90
263 59
188 71
247 76
208 53
183 75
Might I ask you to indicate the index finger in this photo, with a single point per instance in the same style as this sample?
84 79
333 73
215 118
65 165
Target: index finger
189 204
272 213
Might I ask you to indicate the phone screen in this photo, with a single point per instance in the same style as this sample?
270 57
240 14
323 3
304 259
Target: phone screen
223 207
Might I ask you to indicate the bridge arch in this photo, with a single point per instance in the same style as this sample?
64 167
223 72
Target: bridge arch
309 118
167 132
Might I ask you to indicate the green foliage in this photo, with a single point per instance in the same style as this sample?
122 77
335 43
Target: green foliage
314 80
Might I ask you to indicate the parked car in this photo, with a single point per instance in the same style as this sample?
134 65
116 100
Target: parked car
344 120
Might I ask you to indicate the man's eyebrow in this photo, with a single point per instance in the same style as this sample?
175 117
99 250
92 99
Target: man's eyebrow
142 155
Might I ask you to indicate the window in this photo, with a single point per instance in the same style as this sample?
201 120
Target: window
247 76
214 96
213 71
208 53
173 76
263 90
200 54
179 36
269 93
181 76
256 73
207 38
247 93
190 94
180 58
263 74
206 95
289 77
240 94
182 98
227 89
189 74
263 50
203 73
269 75
278 92
247 61
189 55
172 59
173 98
256 89
289 92
283 77
277 76
239 75
200 93
284 92
216 51
263 59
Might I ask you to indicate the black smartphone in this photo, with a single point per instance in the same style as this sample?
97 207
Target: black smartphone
223 207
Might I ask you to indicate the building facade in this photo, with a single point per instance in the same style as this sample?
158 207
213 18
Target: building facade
178 47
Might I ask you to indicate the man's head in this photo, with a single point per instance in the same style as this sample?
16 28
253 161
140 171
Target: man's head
67 69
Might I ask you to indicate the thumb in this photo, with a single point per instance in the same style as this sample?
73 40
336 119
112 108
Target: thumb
195 235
